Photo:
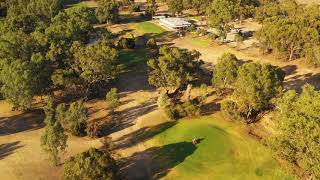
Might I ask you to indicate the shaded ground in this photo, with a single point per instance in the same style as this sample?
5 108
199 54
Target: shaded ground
9 148
159 160
21 122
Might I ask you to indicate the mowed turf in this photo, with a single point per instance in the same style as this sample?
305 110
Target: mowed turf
223 153
147 27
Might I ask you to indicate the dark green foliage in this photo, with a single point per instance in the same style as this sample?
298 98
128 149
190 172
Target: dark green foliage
151 8
163 100
53 139
73 119
220 13
152 43
75 24
43 9
225 71
107 11
200 5
175 67
292 31
298 123
24 70
112 99
24 22
180 110
268 10
192 28
68 80
93 164
230 109
135 8
255 86
175 6
126 43
95 63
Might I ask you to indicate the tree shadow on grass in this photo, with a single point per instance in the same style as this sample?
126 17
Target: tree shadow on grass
155 162
141 135
9 148
22 122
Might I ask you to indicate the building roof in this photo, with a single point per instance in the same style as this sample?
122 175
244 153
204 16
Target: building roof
175 22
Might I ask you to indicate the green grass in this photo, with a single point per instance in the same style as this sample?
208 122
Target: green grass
132 59
90 4
143 28
223 153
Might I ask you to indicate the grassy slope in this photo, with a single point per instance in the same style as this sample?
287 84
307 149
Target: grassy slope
224 153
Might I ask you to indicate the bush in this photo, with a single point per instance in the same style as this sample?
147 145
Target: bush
152 43
181 110
112 99
163 100
192 28
92 164
229 108
135 8
74 119
126 43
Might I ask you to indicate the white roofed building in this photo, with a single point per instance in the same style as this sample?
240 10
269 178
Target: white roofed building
175 23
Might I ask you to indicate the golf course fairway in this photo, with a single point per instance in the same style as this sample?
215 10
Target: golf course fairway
224 152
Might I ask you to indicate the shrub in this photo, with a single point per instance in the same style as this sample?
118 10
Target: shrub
135 8
74 119
163 100
192 28
152 43
229 108
92 164
126 43
112 99
181 110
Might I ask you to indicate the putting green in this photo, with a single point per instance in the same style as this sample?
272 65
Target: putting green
223 153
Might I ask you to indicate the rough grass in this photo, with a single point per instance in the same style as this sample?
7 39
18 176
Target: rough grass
223 152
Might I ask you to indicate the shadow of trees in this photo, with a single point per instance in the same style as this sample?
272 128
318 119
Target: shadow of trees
155 162
141 135
23 122
296 82
9 148
126 118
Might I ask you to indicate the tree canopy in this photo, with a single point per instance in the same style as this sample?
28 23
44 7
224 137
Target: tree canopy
175 67
290 30
298 122
93 164
107 11
225 71
53 139
256 84
96 62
